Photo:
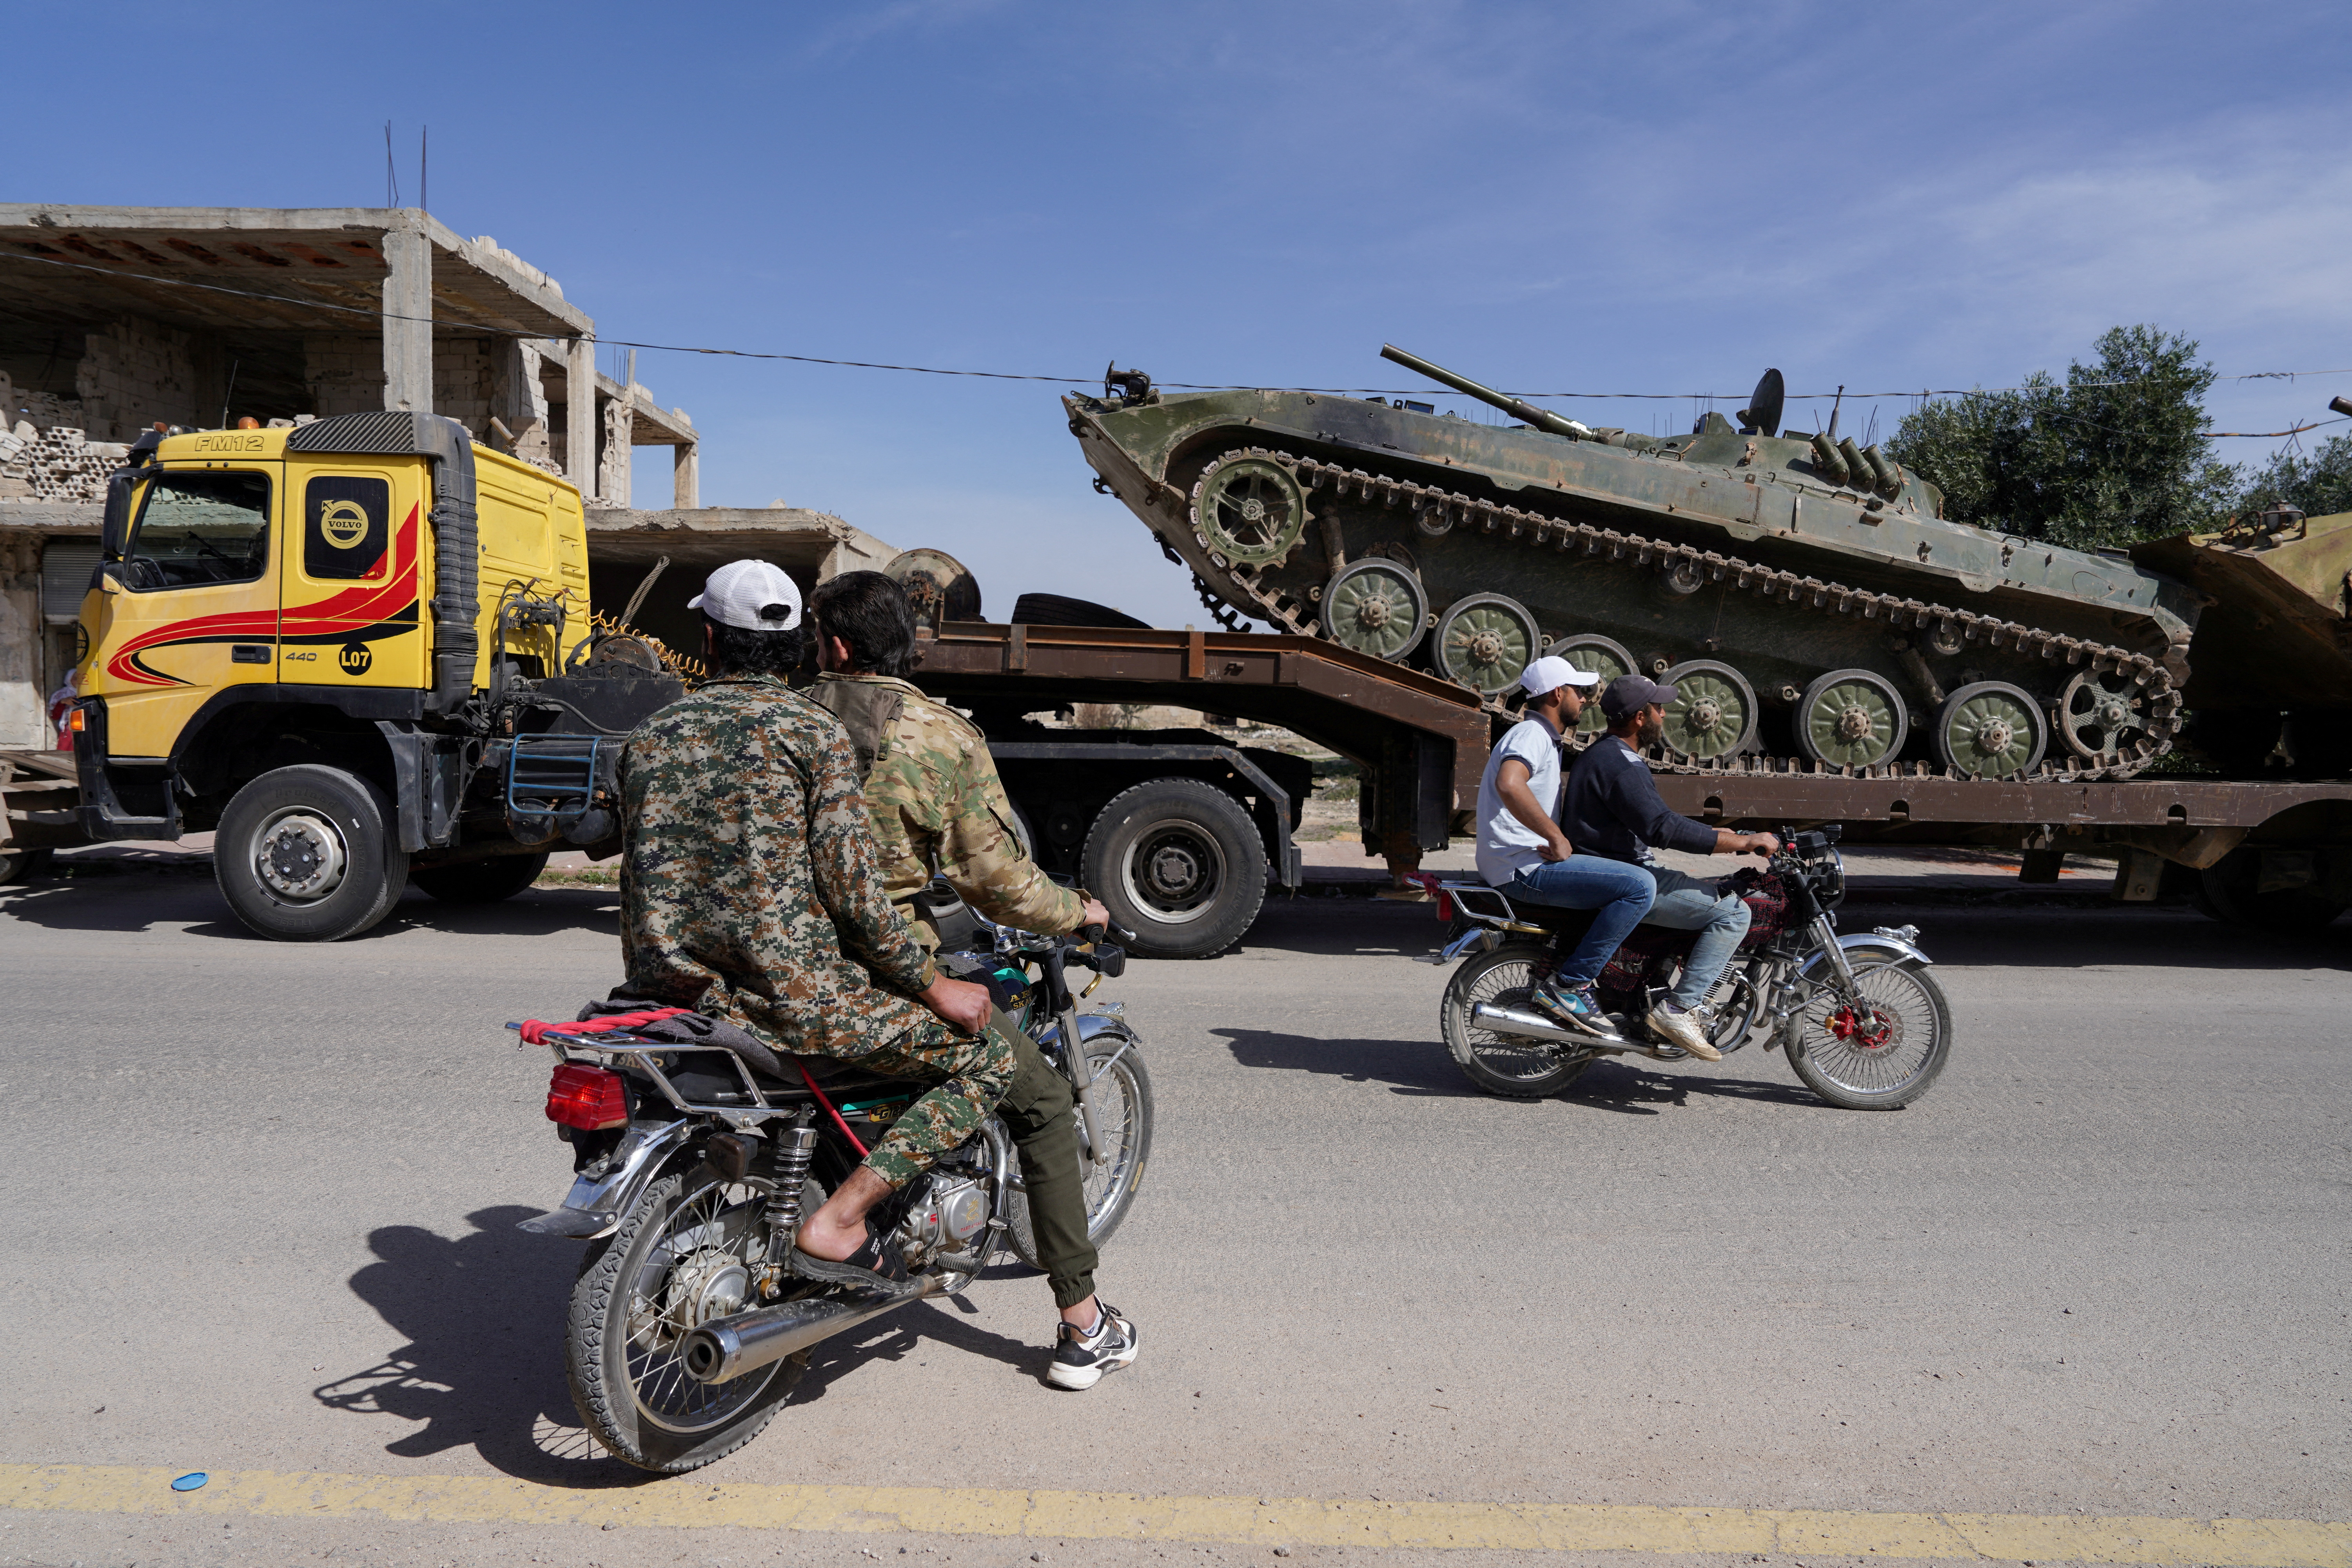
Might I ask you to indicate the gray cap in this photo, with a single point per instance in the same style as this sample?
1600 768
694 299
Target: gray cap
1631 693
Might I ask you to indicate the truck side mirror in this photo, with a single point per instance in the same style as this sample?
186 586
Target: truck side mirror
114 533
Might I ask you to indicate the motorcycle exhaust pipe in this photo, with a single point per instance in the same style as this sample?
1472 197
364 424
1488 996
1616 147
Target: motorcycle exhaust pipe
1521 1021
728 1347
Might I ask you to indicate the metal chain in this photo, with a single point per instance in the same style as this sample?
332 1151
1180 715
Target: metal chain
1437 511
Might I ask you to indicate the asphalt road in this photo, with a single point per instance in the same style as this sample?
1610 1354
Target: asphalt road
263 1206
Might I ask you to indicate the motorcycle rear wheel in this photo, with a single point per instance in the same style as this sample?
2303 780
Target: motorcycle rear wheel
1882 1052
665 1270
1123 1113
1505 1065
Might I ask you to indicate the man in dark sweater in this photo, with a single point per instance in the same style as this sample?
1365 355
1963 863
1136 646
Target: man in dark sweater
1613 809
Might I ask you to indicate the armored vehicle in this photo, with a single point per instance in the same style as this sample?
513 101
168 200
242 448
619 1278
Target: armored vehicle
1806 598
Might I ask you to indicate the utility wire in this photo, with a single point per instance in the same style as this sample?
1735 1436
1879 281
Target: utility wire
1088 380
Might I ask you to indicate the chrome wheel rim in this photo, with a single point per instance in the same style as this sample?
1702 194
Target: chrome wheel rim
1878 1042
300 855
1175 871
1509 1058
701 1265
1116 1121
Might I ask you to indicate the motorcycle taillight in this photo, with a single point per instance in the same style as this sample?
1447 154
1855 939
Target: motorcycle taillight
590 1099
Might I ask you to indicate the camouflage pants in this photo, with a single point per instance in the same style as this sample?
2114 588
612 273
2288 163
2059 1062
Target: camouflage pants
999 1070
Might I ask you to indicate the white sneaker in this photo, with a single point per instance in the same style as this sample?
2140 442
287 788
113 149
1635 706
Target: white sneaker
1080 1360
1684 1028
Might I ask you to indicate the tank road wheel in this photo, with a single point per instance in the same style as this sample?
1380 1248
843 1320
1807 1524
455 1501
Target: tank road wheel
1595 655
1713 713
1250 510
1990 730
2099 715
1484 641
1852 718
1376 607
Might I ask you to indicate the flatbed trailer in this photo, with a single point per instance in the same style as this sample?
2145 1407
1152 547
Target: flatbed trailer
40 804
2272 853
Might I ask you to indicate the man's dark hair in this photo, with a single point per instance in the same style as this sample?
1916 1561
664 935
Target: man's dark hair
870 613
737 650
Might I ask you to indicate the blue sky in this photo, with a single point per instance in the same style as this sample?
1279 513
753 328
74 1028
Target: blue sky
1657 197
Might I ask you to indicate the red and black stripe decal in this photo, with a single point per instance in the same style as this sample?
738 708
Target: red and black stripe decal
363 614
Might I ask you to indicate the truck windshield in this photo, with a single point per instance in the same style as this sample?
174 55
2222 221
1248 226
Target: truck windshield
200 528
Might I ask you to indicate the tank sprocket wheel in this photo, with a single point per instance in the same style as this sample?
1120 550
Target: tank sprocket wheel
1250 510
1990 731
1484 641
2100 717
1376 607
1714 711
1852 719
1595 655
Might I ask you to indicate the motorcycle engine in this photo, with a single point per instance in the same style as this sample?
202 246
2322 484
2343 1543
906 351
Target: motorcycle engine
951 1210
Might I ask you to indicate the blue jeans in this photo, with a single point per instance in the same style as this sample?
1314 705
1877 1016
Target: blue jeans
1621 892
1688 903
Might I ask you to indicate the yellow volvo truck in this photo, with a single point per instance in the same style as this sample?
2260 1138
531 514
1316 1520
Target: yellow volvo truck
358 651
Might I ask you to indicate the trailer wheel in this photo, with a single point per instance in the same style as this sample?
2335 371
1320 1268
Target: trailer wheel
479 881
18 865
2230 894
306 854
1179 863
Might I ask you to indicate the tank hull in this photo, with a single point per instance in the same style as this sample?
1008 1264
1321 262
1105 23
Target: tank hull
1717 549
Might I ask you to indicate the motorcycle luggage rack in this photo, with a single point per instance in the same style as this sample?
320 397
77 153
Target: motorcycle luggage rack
642 1051
1462 893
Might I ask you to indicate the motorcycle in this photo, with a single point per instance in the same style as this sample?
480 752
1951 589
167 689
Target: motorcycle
1859 1018
690 1321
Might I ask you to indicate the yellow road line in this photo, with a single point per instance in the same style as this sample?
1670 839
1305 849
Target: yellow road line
1122 1516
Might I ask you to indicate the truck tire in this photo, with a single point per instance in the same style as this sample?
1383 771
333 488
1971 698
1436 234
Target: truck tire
18 865
479 881
2229 890
306 854
1179 863
1059 610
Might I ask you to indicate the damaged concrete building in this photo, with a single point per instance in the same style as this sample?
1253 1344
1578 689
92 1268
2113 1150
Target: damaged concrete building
115 320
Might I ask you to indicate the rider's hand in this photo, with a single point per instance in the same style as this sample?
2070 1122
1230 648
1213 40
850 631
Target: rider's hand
1763 843
1557 848
961 1004
1096 915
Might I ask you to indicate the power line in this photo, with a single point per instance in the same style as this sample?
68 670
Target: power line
1089 380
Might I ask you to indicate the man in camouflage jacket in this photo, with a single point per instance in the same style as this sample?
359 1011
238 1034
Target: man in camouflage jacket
932 789
750 891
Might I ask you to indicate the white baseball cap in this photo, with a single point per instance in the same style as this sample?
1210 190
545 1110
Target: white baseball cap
754 594
1551 672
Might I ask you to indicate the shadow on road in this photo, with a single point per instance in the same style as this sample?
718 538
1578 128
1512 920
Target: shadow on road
1413 1068
483 1366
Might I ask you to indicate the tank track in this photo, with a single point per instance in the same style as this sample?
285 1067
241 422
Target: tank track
1437 511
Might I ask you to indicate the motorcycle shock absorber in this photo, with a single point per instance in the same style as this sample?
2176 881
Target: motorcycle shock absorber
794 1147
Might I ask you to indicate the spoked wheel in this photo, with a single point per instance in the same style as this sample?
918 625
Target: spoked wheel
2100 716
1123 1115
688 1252
1881 1047
1505 1064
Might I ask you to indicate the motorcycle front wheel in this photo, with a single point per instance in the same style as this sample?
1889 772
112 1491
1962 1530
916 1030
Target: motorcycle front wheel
688 1252
1881 1048
1122 1092
1507 1065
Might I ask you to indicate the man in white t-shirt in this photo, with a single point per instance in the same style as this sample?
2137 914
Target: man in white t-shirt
1522 851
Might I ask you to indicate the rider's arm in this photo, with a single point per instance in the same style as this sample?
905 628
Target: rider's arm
1511 784
846 870
981 858
1729 843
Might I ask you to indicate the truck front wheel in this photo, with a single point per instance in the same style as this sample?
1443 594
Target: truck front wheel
479 881
1181 863
306 854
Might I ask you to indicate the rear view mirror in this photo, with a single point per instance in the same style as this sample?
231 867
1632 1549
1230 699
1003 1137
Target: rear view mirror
114 534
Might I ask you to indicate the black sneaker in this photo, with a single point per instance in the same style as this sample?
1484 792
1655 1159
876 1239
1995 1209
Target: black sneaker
1081 1360
1575 1007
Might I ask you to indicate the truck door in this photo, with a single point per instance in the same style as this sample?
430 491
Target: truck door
351 613
192 605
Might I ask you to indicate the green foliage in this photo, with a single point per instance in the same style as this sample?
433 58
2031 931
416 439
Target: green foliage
2317 485
2084 463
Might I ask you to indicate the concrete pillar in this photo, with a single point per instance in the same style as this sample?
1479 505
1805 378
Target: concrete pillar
687 481
408 322
580 418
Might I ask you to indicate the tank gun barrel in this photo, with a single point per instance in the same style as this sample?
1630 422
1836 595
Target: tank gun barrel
1526 413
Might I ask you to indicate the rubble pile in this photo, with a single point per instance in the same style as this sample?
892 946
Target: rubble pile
59 464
